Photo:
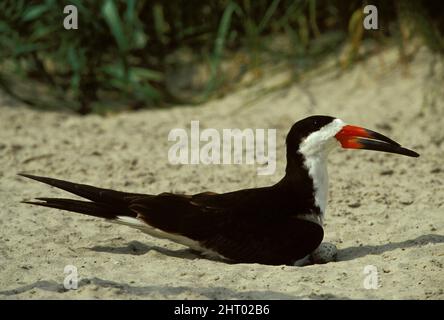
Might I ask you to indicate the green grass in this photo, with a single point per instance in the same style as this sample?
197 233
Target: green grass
125 53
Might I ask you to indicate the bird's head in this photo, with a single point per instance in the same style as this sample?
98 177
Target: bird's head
316 136
311 139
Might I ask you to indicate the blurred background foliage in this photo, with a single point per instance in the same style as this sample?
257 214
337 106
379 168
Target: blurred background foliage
137 54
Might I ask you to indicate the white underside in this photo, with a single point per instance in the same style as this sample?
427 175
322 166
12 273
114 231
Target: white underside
152 231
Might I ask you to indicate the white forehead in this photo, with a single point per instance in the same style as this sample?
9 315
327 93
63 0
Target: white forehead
316 140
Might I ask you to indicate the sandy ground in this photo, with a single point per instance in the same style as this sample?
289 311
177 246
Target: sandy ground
384 210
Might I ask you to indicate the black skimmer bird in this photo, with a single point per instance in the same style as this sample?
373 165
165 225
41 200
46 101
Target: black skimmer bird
278 224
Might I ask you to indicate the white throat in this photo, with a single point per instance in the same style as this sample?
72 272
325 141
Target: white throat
315 149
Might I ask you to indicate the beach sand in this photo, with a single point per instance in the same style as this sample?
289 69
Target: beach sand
385 211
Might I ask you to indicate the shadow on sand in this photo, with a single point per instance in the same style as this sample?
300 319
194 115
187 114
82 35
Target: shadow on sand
138 248
358 252
171 292
346 254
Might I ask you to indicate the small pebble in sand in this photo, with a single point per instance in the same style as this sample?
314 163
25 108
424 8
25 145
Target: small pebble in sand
387 172
406 202
354 205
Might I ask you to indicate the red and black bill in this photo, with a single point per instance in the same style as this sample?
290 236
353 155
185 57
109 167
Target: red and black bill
353 137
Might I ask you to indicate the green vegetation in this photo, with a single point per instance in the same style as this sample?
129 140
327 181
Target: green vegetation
126 54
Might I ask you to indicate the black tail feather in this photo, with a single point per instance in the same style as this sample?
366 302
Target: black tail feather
105 203
94 209
86 191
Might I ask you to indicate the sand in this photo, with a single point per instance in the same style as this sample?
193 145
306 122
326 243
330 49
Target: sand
384 211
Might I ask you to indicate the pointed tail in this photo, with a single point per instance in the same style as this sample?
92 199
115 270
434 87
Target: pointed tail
104 203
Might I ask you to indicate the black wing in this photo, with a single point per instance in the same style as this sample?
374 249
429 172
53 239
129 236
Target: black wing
250 225
241 226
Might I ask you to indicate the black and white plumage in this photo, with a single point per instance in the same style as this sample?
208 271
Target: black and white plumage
278 224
